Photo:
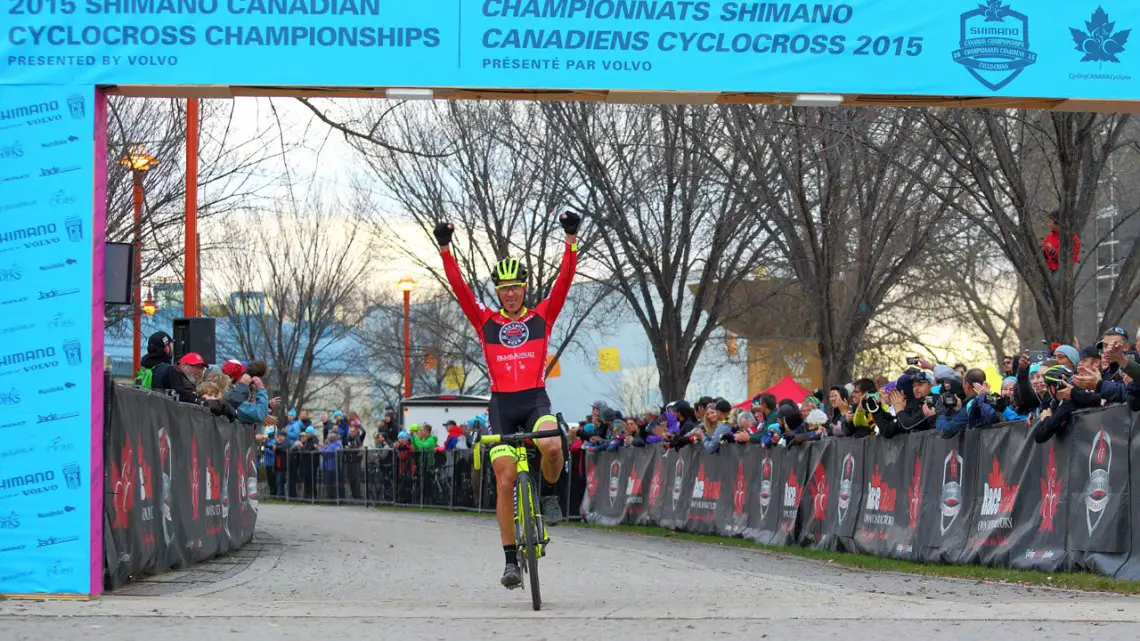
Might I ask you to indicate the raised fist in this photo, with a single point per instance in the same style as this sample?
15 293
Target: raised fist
570 222
443 232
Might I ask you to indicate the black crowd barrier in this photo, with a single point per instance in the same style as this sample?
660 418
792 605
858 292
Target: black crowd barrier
444 480
181 485
993 496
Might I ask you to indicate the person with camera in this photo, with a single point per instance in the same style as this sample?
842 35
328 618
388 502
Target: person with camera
965 404
1067 398
913 404
1108 380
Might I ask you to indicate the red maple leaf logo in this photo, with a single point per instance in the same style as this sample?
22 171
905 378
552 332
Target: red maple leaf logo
212 481
819 489
954 464
915 494
739 492
655 485
1051 486
122 482
1101 447
1008 492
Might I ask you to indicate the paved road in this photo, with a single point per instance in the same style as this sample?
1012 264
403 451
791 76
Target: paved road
328 573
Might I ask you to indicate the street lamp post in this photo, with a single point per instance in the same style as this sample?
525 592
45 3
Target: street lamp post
407 285
139 162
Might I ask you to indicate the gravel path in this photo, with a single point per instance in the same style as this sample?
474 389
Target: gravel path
326 573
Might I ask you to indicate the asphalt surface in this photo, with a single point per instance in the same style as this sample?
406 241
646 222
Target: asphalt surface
332 573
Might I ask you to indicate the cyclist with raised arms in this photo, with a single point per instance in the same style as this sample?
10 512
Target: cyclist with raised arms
515 340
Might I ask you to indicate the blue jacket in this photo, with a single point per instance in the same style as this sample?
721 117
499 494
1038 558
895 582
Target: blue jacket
267 453
712 441
1009 415
293 431
328 456
976 413
253 412
342 428
1112 391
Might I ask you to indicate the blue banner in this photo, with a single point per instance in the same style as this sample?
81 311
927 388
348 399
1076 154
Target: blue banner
46 157
1038 48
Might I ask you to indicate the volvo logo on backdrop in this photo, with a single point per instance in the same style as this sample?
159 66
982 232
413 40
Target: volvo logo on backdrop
1098 491
30 484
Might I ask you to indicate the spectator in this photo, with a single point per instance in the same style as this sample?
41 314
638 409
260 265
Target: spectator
211 398
960 369
865 400
715 427
422 438
248 397
840 412
702 405
1066 399
352 458
268 445
794 431
389 427
293 428
380 441
686 421
1109 381
1066 355
326 425
817 424
280 462
330 463
1031 394
455 438
1051 245
354 421
1007 403
810 403
764 409
1008 366
182 379
913 412
159 348
975 408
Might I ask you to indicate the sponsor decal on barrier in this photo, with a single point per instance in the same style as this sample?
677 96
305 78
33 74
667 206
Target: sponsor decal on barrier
615 474
951 493
1099 488
819 489
1051 487
845 486
765 486
706 493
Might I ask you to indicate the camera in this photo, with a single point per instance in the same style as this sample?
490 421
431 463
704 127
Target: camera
871 403
912 360
930 401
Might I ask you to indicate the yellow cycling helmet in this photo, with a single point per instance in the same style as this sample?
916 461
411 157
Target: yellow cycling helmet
507 270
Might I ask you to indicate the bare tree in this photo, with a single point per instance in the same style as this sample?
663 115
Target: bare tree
443 347
673 227
495 170
847 221
1015 167
293 286
229 165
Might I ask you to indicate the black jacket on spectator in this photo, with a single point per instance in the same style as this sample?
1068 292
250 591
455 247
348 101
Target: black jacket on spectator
910 419
1024 398
173 378
1056 422
220 408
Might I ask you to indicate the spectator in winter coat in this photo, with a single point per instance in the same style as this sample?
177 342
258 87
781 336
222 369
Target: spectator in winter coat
159 350
817 423
182 379
212 400
1051 245
840 409
1008 413
976 412
716 426
293 428
794 431
330 463
912 413
686 418
280 462
1067 398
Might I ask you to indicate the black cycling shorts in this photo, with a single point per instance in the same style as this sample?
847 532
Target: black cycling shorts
513 412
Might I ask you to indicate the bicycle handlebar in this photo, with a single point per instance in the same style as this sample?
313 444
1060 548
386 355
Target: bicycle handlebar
562 432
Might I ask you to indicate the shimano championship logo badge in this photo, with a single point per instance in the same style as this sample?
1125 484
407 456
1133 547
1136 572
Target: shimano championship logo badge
1100 41
994 44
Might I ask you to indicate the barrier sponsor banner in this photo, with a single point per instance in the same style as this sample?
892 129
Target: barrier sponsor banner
961 47
990 496
47 397
181 485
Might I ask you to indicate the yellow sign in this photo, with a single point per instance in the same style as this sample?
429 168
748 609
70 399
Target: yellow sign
608 359
454 377
556 370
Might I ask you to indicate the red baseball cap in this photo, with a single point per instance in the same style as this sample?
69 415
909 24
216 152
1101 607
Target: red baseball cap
193 358
234 369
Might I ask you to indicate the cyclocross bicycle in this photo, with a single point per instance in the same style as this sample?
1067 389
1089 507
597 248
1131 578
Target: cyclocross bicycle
530 530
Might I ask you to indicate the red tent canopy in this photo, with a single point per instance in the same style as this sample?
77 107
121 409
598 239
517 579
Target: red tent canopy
786 388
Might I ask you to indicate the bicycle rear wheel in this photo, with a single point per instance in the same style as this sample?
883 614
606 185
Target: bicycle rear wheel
529 540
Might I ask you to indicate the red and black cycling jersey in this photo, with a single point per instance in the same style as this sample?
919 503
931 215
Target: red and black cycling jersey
515 349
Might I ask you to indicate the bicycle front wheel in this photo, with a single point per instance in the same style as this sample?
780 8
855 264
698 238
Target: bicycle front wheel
528 529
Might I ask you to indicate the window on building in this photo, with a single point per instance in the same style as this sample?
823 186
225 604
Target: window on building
1107 267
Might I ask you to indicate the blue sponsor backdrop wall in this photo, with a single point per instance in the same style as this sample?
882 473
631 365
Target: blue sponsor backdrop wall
1038 48
46 153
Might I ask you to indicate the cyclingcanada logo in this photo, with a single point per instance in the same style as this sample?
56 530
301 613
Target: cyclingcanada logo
1100 41
994 44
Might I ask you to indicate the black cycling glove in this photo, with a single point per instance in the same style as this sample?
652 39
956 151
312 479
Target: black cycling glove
570 222
443 232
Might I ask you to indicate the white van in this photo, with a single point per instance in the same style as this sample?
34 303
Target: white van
438 409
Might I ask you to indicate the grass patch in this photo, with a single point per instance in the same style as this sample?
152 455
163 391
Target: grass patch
1065 580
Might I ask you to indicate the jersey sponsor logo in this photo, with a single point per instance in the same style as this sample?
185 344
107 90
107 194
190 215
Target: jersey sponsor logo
514 334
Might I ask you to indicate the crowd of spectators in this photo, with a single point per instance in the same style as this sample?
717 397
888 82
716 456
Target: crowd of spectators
1042 391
